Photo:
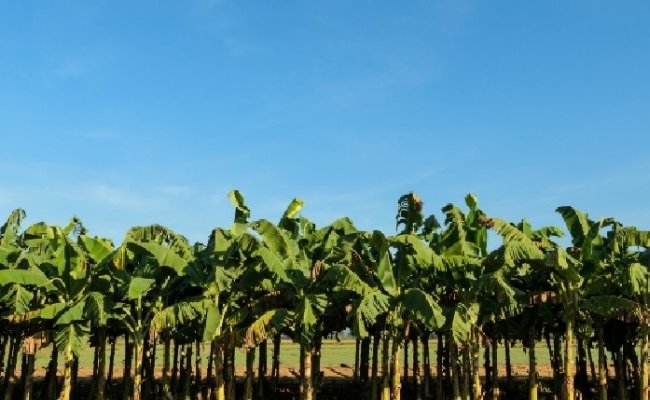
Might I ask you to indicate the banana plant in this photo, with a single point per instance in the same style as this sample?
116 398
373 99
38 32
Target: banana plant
572 270
142 269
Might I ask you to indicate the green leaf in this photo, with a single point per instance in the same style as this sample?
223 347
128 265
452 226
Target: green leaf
25 277
164 255
97 248
421 307
293 209
71 336
138 287
72 313
384 265
213 321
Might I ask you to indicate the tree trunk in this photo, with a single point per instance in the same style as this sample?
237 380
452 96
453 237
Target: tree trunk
495 369
145 370
199 388
476 360
405 375
385 371
364 363
93 379
619 363
275 363
175 367
426 355
417 375
582 378
250 374
509 388
101 364
357 346
466 372
209 375
187 375
220 389
229 368
261 369
374 393
440 352
51 389
558 369
487 363
315 366
643 359
396 382
111 365
137 370
29 377
4 340
10 374
532 366
602 365
67 374
126 375
166 382
453 365
569 362
305 373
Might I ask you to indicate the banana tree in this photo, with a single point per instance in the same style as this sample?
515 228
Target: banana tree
142 269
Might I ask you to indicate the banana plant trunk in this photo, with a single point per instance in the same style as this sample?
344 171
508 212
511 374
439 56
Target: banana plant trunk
201 390
101 364
509 383
375 361
166 382
643 360
261 369
385 370
67 373
466 371
315 366
495 369
250 364
569 362
453 365
28 393
440 351
10 373
128 362
229 368
51 391
417 372
220 388
532 367
275 363
426 378
396 382
137 370
363 367
306 386
602 365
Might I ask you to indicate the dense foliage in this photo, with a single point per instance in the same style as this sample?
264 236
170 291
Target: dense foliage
258 280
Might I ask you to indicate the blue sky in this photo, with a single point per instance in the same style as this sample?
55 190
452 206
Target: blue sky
134 112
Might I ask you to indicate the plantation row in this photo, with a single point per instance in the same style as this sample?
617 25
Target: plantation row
257 280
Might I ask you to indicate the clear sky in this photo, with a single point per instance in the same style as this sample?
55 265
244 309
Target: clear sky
134 112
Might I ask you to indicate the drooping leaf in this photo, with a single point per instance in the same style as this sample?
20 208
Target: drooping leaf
421 307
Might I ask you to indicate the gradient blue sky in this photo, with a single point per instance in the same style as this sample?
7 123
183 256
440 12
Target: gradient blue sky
134 112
